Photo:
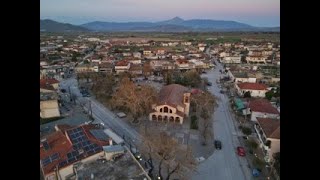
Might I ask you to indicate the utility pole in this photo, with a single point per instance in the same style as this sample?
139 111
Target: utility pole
69 93
90 108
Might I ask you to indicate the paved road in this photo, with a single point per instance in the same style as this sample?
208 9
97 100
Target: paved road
100 113
223 164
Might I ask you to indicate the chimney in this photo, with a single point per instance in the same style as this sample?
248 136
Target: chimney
110 142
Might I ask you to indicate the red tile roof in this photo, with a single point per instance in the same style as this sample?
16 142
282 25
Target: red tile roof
60 142
182 61
48 81
270 127
252 86
262 105
122 63
172 94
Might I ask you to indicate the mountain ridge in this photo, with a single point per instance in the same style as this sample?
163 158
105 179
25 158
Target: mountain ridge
48 25
175 24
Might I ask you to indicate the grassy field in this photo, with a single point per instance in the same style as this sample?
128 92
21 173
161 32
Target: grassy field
216 37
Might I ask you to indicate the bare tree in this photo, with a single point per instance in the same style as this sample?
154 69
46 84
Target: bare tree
204 104
170 157
135 99
102 86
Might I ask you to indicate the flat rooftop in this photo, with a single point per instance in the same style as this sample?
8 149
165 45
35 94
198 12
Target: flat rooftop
123 168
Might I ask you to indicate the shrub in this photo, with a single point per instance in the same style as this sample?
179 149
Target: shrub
259 163
194 122
252 144
247 131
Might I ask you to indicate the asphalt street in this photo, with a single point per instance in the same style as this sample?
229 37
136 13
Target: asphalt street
100 113
223 164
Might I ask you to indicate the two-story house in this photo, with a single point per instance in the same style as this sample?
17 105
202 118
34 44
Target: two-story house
262 108
231 60
268 132
122 66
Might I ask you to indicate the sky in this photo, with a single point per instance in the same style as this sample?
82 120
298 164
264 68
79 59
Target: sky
261 13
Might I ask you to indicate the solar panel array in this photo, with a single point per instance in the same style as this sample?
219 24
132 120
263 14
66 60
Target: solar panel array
81 147
80 142
50 159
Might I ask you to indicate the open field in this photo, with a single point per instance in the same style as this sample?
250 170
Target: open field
217 37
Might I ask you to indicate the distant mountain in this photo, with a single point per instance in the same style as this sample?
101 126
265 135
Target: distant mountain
114 26
176 24
162 28
175 20
48 25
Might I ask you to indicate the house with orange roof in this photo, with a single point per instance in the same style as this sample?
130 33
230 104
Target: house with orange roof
49 83
173 105
122 66
67 146
262 108
268 132
182 64
255 89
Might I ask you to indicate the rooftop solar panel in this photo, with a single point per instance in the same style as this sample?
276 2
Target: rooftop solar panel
62 163
71 159
46 161
54 157
69 155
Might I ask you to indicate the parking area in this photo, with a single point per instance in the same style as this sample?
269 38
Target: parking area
156 82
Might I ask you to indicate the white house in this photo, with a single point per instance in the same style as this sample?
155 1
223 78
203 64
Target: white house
135 61
239 77
182 64
255 89
146 52
122 66
268 132
224 54
186 43
256 59
231 60
262 108
137 55
127 54
202 48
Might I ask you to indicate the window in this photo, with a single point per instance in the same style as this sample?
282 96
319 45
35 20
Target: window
170 111
160 109
186 99
165 109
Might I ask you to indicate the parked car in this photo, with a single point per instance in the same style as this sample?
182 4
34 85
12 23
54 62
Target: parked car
241 151
221 92
256 172
217 144
209 84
